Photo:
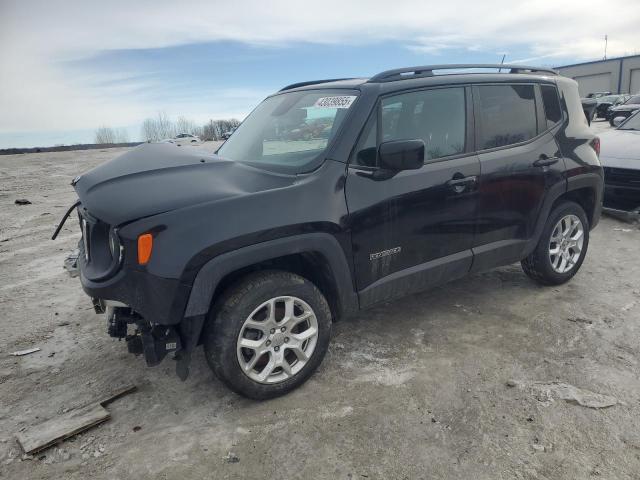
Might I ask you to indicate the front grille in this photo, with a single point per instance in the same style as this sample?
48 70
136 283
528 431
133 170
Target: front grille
622 176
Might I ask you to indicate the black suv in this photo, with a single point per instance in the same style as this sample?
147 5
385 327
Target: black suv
330 197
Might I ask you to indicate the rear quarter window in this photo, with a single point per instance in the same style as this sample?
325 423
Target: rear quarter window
552 110
507 115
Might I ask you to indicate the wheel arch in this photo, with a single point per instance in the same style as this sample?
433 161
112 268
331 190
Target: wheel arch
584 189
315 256
586 197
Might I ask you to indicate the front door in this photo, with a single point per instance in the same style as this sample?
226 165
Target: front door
414 228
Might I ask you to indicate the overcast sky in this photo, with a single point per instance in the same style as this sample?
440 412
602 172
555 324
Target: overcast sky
67 67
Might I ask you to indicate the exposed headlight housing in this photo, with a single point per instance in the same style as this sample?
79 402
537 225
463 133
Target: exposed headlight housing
115 246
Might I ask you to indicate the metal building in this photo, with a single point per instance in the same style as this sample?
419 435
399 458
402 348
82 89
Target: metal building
615 75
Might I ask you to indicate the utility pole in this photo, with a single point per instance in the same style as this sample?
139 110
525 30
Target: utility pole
605 47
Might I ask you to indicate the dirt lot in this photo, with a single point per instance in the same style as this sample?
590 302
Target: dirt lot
439 385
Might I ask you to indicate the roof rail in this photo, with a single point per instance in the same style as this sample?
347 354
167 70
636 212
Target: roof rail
312 82
427 71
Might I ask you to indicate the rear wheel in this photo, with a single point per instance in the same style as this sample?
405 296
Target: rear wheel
269 333
562 246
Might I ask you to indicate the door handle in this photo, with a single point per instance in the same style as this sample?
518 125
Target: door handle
458 185
545 161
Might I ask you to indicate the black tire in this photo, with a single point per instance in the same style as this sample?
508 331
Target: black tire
538 264
236 305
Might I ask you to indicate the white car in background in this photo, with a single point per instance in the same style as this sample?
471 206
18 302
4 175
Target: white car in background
184 139
620 158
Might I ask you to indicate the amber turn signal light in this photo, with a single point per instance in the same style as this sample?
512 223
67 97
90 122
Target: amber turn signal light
145 246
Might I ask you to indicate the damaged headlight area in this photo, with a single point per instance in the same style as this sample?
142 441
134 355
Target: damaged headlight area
101 248
115 247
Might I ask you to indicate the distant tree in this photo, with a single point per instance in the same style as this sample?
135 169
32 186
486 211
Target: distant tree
149 130
104 135
214 129
161 127
158 128
166 128
208 131
122 136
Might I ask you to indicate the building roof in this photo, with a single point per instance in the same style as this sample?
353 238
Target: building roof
598 61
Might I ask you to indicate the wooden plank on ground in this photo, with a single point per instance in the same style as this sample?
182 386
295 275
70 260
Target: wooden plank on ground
116 394
52 431
21 353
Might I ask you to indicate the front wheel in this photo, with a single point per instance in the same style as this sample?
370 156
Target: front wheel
562 246
269 333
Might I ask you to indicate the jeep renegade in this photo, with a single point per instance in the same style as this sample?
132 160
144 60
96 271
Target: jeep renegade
330 197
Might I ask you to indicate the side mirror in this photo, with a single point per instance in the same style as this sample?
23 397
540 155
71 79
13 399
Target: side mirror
618 120
401 154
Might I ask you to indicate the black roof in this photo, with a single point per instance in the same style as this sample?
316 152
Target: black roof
409 73
428 71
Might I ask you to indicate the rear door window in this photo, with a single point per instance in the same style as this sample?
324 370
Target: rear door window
507 115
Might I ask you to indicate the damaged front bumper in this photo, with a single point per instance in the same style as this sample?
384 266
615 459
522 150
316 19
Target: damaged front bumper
138 309
144 309
154 341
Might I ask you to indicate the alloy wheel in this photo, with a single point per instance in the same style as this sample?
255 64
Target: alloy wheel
565 245
277 339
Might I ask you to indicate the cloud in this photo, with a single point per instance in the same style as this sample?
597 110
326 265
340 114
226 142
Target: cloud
40 38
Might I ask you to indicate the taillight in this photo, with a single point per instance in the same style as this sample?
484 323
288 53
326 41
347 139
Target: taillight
145 246
595 144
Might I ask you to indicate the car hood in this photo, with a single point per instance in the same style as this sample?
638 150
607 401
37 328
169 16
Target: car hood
160 177
620 149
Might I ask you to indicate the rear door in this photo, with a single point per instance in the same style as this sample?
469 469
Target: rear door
519 161
414 228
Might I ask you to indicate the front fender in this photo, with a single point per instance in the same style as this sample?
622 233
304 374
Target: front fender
212 272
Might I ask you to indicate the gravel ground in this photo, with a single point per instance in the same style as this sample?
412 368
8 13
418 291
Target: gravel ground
437 385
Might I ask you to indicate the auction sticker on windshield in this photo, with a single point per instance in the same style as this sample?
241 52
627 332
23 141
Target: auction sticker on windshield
343 101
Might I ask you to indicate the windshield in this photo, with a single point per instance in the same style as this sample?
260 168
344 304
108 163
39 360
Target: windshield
289 132
632 123
608 98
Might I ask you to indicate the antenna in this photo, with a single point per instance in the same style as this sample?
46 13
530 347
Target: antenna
605 47
502 62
